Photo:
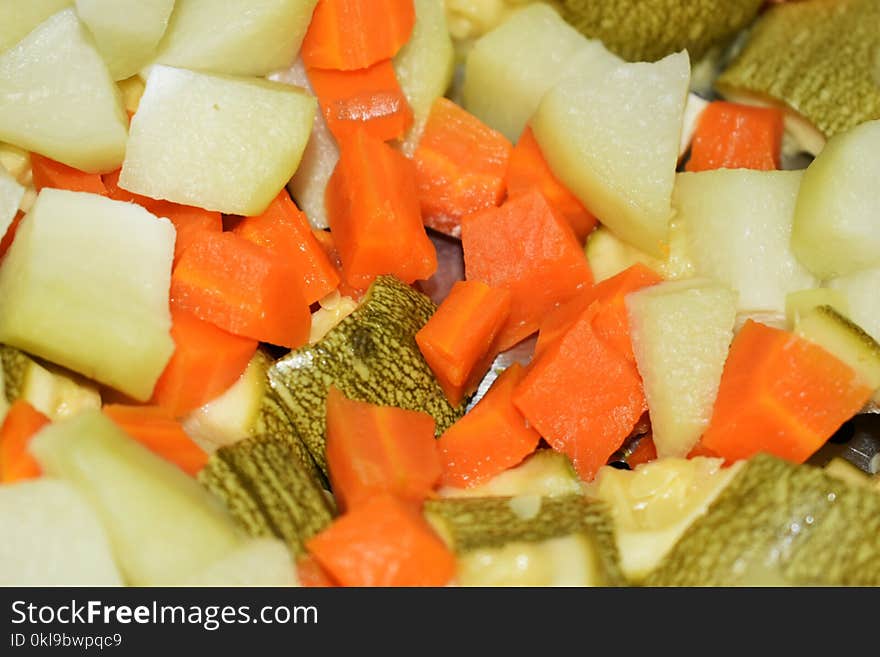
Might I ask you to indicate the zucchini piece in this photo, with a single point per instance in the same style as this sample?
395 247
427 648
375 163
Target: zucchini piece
268 490
370 356
546 473
11 195
161 523
648 30
654 504
788 59
846 471
609 255
259 562
803 301
53 391
837 334
528 540
780 523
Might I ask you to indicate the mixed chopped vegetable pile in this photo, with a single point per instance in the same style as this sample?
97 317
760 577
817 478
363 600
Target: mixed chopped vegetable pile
426 293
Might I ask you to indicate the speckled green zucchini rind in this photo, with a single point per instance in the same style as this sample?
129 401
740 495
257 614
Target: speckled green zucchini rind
821 58
14 364
777 523
268 491
370 356
478 523
648 30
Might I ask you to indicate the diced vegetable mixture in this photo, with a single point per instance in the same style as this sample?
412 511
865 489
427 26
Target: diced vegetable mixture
440 292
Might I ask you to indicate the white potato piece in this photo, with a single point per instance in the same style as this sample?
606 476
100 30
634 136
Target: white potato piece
126 31
217 142
239 37
85 285
52 537
738 226
681 333
259 562
58 99
11 194
837 217
19 17
509 69
608 255
612 136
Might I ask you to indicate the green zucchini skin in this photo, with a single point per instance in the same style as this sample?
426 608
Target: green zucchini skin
648 30
370 356
817 57
14 364
780 523
476 523
267 489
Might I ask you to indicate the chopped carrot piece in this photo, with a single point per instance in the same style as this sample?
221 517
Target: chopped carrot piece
373 213
733 136
582 396
6 242
189 222
375 449
384 542
243 288
156 430
528 168
781 394
461 164
645 452
611 322
207 360
351 34
310 573
527 248
369 98
49 173
328 244
457 340
285 230
22 422
492 437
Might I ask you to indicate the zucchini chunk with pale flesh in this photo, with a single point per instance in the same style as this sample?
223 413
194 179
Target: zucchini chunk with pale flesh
777 523
125 31
52 537
654 504
803 301
258 562
612 137
55 392
371 356
837 217
863 302
681 333
85 285
609 255
738 224
162 524
216 142
528 540
239 37
58 99
11 194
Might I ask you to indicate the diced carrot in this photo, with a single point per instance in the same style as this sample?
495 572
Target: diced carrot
781 394
582 396
611 321
328 244
190 222
243 288
733 136
49 173
155 429
384 542
285 230
645 452
375 449
6 241
368 98
373 211
457 340
461 164
349 34
492 437
310 573
528 168
22 422
527 248
207 360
